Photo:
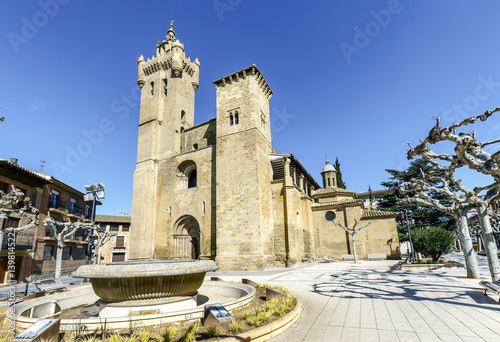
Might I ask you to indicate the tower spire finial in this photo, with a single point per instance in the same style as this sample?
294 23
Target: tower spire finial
171 32
327 161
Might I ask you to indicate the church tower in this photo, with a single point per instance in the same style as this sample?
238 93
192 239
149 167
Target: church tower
243 177
168 82
329 175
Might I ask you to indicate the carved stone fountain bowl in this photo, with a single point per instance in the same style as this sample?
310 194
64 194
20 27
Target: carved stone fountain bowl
146 279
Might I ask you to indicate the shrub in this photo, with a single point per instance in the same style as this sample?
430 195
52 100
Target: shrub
145 336
235 327
114 338
433 242
247 314
214 331
191 333
265 316
253 321
169 334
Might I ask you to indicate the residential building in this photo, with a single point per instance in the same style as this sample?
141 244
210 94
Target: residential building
36 250
116 249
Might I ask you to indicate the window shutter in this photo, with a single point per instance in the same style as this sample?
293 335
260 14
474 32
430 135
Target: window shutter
120 241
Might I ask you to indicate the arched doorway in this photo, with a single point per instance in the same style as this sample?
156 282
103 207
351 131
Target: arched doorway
186 238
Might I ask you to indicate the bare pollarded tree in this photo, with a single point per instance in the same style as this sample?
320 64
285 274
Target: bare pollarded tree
102 239
61 230
462 200
468 152
353 231
15 204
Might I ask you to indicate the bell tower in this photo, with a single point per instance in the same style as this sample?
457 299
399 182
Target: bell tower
244 196
329 175
168 82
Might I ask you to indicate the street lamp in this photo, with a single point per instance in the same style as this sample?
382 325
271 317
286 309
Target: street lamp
94 191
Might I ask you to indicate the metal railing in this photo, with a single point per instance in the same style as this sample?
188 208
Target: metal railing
23 241
76 211
57 204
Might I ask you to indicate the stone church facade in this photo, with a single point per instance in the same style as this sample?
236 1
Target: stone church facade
217 190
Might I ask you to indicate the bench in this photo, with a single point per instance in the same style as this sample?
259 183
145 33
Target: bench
347 256
327 259
49 285
493 286
377 256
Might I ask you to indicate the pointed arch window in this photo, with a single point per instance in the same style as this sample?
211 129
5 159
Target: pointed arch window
236 118
231 120
152 88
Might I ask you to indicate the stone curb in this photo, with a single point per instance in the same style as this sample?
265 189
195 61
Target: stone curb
270 330
421 267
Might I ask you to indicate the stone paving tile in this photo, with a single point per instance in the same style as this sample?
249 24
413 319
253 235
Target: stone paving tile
407 336
450 338
369 302
427 336
368 335
350 334
388 335
332 334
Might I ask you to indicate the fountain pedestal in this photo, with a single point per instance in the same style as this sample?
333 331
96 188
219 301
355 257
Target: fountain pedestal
146 307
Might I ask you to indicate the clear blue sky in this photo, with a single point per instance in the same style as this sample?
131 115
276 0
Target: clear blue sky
351 79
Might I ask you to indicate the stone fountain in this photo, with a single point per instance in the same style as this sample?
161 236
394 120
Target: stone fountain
146 286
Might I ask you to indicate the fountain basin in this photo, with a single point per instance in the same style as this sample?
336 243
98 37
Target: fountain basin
230 295
146 279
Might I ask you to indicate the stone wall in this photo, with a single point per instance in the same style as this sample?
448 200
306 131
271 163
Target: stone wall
177 202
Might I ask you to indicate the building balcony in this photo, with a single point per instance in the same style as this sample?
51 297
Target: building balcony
57 204
24 241
74 210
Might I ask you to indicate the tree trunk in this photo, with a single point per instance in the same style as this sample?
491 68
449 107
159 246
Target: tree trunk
467 248
490 245
59 253
354 247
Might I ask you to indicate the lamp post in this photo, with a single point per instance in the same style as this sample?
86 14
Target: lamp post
94 191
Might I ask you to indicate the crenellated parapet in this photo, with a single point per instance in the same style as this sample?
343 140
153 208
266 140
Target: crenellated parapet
170 56
251 71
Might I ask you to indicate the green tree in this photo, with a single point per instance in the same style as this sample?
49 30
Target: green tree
433 242
340 182
419 217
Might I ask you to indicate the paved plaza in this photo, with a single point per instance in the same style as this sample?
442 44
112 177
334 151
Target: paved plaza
367 301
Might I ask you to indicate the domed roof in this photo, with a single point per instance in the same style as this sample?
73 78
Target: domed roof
328 167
